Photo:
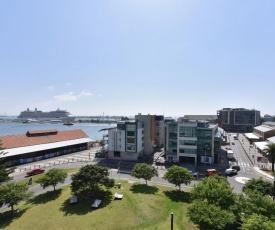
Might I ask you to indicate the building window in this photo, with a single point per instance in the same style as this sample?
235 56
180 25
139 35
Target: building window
187 151
131 148
131 140
131 127
187 131
131 134
188 142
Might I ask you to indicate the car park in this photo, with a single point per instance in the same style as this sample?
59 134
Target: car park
231 171
35 171
212 172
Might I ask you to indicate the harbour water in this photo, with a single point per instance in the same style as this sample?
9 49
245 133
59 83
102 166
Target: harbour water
91 129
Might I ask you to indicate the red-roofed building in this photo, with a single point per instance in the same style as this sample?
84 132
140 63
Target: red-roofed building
37 145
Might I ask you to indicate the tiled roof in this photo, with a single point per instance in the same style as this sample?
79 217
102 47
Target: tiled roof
23 140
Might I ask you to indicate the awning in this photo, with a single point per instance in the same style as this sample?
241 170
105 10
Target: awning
35 148
261 145
251 136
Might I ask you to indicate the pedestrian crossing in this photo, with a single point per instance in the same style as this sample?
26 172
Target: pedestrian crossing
244 164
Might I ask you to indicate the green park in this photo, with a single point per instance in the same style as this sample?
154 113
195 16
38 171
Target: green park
211 204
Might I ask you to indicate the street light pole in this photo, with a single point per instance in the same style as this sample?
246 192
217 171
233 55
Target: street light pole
172 220
274 189
118 170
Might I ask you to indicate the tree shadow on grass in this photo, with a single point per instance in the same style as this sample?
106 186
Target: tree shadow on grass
45 197
6 217
178 196
84 205
143 188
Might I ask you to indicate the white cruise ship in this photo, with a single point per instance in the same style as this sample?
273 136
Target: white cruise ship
52 115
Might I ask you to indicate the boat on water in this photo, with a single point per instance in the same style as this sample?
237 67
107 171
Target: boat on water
29 121
52 115
68 123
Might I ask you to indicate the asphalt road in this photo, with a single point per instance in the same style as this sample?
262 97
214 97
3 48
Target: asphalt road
247 169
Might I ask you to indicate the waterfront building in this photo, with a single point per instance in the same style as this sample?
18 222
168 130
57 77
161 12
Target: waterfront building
125 142
193 142
37 145
238 119
137 138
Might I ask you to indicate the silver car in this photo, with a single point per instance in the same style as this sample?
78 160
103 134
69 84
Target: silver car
231 171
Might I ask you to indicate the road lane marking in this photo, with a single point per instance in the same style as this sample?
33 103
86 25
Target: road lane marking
242 180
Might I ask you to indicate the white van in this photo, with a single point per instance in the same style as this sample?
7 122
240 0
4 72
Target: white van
230 154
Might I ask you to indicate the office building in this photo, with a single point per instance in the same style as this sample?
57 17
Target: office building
193 142
238 119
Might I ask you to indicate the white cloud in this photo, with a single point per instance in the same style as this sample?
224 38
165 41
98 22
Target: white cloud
71 96
85 94
68 84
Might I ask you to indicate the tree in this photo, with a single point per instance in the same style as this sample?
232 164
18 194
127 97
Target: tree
258 185
178 175
257 222
144 171
4 172
270 152
52 178
216 191
90 181
208 216
215 204
256 203
12 193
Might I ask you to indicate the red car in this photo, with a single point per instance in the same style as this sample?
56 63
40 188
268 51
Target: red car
35 171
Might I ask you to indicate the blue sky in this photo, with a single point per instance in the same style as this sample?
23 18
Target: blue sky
124 57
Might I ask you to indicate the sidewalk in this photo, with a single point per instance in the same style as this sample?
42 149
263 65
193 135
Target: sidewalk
82 156
253 155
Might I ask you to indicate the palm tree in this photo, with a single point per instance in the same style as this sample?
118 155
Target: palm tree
270 151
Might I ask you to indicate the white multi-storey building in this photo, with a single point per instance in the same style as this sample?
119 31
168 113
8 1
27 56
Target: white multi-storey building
125 142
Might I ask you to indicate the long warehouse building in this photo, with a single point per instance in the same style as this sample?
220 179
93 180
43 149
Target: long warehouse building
41 144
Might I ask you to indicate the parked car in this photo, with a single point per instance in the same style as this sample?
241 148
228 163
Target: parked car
231 171
35 171
233 143
194 174
228 148
236 167
212 172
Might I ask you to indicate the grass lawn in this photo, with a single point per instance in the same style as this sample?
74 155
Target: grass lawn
142 207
